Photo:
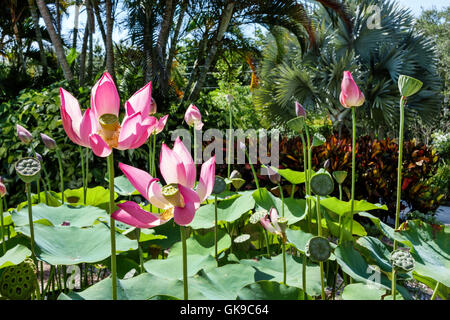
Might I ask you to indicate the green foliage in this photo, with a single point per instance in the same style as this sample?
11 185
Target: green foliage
375 56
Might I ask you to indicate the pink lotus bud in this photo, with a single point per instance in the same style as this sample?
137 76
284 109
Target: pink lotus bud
49 142
350 95
193 117
274 177
24 135
299 110
2 188
39 157
153 107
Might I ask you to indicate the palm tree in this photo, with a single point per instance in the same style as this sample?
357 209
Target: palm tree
375 56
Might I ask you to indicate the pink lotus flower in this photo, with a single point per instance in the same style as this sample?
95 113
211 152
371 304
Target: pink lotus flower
350 95
177 198
272 225
24 135
98 128
299 110
193 117
2 188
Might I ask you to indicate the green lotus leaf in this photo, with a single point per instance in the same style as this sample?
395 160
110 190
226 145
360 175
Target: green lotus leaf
203 244
408 85
123 187
172 267
78 216
14 256
270 290
72 245
318 140
272 269
344 207
361 291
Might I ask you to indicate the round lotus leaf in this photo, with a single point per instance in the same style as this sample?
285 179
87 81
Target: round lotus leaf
219 185
340 176
242 238
318 140
256 217
28 169
402 261
18 282
318 249
322 183
296 124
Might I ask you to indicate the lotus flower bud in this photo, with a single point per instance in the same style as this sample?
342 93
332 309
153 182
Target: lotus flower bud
299 110
408 85
153 107
3 190
24 135
350 95
39 157
326 164
48 142
235 174
193 117
274 177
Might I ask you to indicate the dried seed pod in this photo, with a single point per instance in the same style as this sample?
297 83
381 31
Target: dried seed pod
322 183
28 169
18 282
318 249
256 217
402 261
219 185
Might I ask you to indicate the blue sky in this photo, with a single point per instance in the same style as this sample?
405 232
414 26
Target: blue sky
416 7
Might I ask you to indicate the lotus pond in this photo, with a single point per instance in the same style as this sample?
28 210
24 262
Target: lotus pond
176 230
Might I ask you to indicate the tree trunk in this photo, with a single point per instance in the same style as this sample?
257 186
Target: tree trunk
109 42
83 52
174 41
14 18
56 40
162 43
35 16
75 24
91 26
223 25
58 17
148 42
99 20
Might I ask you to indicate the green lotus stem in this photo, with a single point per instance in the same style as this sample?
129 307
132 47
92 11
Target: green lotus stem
282 200
141 255
112 223
435 291
2 226
309 175
230 117
38 188
41 275
61 173
30 222
394 284
319 232
153 156
253 171
88 151
353 167
307 178
195 146
215 228
83 173
292 191
49 281
185 278
267 242
400 165
150 155
304 273
284 262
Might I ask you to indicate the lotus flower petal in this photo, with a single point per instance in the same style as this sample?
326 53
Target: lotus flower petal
140 179
132 214
104 97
